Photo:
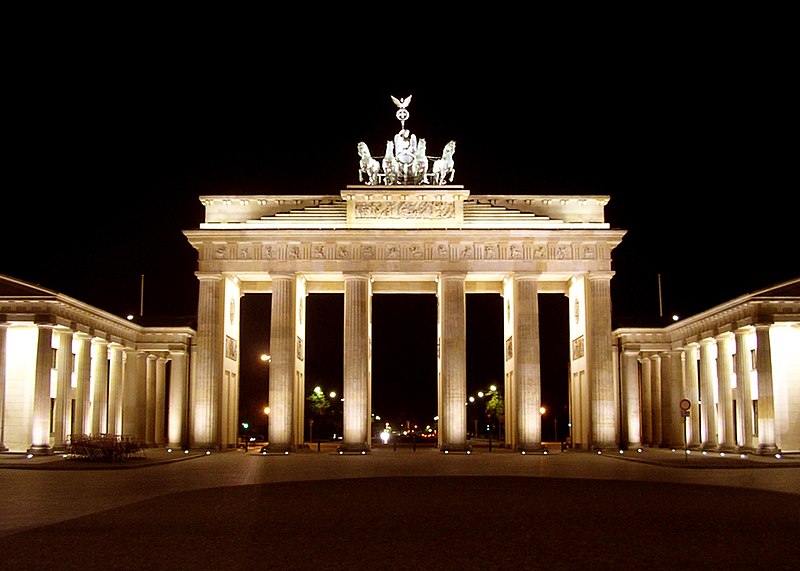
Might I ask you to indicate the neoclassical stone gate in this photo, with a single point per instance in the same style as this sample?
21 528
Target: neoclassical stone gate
414 239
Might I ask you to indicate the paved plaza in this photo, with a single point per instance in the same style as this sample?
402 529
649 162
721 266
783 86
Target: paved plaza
401 509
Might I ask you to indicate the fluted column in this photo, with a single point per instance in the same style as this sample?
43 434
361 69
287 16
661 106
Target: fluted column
150 399
744 399
3 447
647 402
99 386
40 426
140 416
727 437
690 378
130 392
708 409
599 362
527 363
630 398
62 417
176 436
453 362
671 394
282 367
83 370
207 380
115 388
766 402
356 363
655 394
160 400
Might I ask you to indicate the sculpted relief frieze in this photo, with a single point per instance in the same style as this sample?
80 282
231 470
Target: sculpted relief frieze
416 251
406 209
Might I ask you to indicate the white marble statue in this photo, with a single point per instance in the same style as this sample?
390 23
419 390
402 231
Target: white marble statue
445 166
369 168
390 170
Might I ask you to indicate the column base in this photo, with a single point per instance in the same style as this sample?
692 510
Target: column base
348 448
41 450
726 448
456 449
275 448
530 448
767 450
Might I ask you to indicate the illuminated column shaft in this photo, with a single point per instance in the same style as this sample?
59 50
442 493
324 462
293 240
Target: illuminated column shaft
3 447
63 411
356 363
281 374
727 437
40 429
708 409
140 415
647 402
671 394
691 379
115 388
655 393
150 399
600 362
527 363
99 386
207 380
129 392
630 398
160 399
453 320
766 402
83 363
744 400
177 399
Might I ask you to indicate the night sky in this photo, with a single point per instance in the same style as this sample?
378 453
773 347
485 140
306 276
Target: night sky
112 136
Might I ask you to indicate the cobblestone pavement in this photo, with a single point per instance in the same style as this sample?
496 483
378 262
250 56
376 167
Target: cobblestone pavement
401 509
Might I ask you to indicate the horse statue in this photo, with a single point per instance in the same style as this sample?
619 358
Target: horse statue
390 168
369 167
445 166
420 163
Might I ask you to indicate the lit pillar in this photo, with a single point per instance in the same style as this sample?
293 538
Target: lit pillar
40 428
744 399
177 399
3 328
115 388
140 416
130 393
631 414
282 364
655 394
357 437
766 403
708 408
727 437
647 402
62 418
692 392
150 400
207 380
527 362
599 361
671 391
160 400
99 386
453 362
83 364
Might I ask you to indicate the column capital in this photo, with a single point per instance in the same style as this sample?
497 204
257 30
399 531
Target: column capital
600 275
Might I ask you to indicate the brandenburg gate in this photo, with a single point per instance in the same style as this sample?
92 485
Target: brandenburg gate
405 228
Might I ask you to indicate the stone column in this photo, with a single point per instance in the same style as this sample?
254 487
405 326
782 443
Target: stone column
3 447
357 434
176 435
599 362
282 368
140 416
647 401
453 362
744 399
115 388
708 409
766 402
727 437
630 398
527 362
207 380
690 377
83 369
130 393
40 426
655 395
150 400
99 386
160 400
62 419
671 394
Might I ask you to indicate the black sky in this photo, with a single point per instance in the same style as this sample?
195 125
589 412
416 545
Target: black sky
685 120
